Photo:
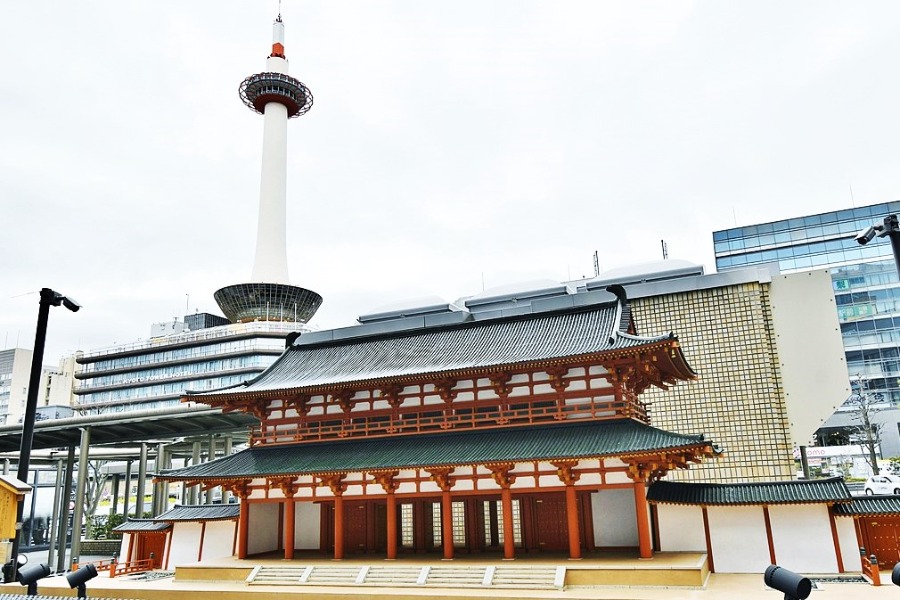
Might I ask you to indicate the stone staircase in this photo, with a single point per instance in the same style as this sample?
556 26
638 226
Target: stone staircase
440 576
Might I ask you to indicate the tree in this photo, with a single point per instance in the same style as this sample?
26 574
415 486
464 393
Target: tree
96 483
866 430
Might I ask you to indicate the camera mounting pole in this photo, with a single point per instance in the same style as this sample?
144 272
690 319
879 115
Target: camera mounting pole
48 298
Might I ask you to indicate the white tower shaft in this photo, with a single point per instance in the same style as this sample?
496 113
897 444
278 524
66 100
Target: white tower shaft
270 264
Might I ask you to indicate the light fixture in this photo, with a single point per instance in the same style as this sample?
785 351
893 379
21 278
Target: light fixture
80 577
794 586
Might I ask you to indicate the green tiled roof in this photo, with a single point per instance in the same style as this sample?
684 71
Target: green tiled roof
200 512
768 492
141 525
870 506
521 339
591 439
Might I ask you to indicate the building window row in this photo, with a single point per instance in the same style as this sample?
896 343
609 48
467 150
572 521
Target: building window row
169 372
163 389
807 256
859 218
153 358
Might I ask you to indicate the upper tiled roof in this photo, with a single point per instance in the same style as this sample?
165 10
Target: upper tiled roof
200 512
141 525
515 444
870 506
521 339
768 492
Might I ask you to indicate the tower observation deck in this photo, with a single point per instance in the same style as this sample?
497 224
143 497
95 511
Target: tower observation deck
269 296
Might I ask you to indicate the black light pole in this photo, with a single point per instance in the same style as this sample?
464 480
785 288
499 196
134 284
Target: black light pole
890 229
48 298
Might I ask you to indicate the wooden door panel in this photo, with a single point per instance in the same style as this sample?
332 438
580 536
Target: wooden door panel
551 523
884 539
355 527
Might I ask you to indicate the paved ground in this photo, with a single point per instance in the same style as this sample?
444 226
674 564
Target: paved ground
718 587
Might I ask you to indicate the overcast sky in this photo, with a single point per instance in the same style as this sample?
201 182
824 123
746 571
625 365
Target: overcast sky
451 146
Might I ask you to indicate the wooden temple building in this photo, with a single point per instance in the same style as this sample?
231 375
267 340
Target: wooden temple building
517 428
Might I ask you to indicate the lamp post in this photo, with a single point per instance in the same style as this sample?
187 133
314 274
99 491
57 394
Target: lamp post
48 298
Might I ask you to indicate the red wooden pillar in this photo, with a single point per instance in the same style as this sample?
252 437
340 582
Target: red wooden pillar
509 539
572 521
288 487
503 477
338 527
337 486
565 470
242 491
386 479
289 528
447 524
243 518
442 478
643 519
391 526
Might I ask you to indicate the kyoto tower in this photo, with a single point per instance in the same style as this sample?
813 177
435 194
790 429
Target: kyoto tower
278 97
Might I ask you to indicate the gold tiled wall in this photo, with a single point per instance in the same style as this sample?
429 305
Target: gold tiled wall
726 335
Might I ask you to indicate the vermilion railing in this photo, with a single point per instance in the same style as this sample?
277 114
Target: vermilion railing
438 417
870 567
133 566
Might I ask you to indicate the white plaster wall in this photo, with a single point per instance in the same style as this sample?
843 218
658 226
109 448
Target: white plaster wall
263 527
185 546
849 544
846 528
123 549
681 528
802 538
739 542
615 523
307 522
218 541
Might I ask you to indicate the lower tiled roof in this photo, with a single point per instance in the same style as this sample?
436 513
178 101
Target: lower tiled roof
200 512
766 492
587 439
141 525
871 506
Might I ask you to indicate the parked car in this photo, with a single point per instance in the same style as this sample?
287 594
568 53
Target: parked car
882 484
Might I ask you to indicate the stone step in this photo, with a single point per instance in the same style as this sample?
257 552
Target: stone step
398 576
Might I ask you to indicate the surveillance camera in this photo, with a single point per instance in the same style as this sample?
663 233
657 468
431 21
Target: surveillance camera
867 235
71 304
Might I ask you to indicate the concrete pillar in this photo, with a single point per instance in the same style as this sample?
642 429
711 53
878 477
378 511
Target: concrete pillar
195 460
78 515
141 482
62 536
54 519
125 503
226 451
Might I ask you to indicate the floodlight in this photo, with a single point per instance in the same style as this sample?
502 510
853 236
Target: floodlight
29 574
80 577
794 586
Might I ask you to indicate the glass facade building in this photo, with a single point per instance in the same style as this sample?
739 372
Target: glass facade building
864 279
155 373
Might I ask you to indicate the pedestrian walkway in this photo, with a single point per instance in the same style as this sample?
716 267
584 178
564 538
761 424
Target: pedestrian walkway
228 581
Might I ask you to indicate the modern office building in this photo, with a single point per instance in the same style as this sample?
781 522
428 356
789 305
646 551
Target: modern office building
15 371
864 279
154 373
